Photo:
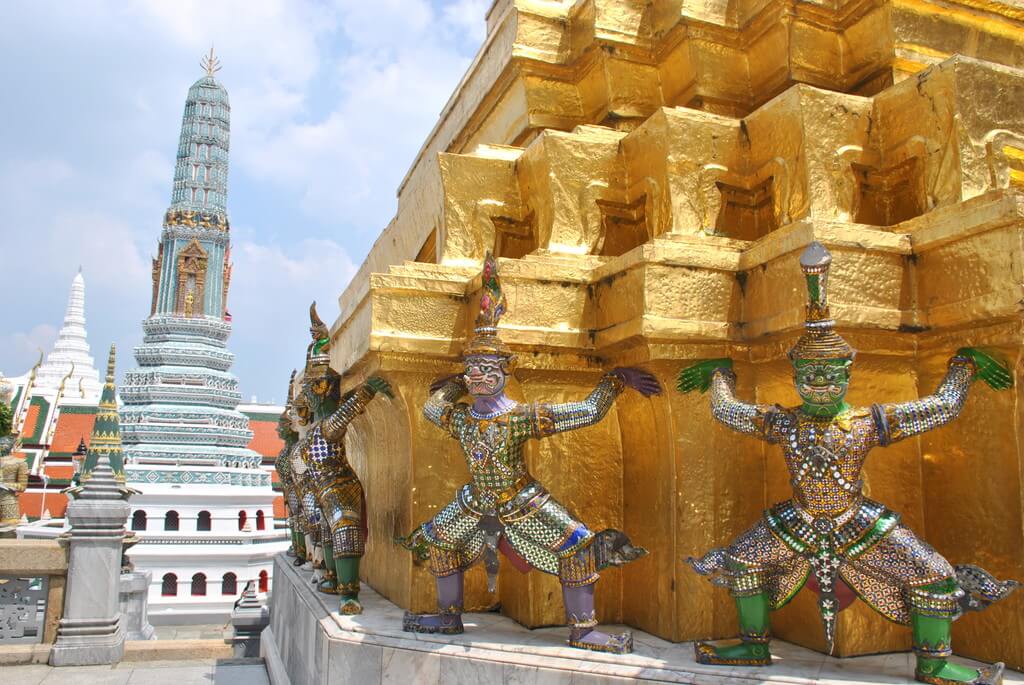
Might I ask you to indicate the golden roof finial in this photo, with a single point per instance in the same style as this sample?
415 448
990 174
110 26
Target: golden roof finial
210 63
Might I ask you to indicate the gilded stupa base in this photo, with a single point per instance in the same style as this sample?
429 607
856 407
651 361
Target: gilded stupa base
647 174
680 485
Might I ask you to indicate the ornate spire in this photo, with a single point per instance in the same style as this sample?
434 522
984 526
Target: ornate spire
70 354
201 172
492 306
210 63
819 341
106 432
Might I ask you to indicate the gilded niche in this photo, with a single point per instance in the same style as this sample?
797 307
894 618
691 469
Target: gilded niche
191 270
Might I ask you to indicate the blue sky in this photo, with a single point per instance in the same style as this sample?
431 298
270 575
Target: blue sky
330 101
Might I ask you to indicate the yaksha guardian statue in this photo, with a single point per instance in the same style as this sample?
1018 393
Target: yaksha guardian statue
829 533
13 472
503 506
330 477
307 516
283 466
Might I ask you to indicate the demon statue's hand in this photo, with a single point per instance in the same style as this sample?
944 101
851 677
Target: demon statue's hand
445 380
638 379
991 370
698 376
379 385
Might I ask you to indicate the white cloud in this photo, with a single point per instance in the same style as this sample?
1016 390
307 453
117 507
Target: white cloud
468 16
330 103
271 290
394 82
23 347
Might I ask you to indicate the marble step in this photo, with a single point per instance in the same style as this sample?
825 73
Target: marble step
308 642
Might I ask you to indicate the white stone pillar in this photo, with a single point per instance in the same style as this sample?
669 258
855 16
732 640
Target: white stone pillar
90 631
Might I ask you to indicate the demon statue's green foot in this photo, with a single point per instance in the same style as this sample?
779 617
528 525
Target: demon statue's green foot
942 672
933 608
350 604
752 650
740 654
348 585
328 584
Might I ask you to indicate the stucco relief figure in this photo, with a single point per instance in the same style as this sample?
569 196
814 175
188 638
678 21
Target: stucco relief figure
332 481
503 507
828 535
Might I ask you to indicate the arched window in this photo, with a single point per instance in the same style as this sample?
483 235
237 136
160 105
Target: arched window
261 523
264 584
203 521
242 518
199 585
169 587
171 520
229 584
139 520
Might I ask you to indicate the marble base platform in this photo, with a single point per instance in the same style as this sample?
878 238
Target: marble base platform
309 643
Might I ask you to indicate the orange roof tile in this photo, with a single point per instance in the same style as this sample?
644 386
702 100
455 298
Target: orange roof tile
70 429
265 440
31 417
65 471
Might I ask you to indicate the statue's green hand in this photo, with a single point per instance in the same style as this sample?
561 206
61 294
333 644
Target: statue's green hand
379 385
993 371
698 376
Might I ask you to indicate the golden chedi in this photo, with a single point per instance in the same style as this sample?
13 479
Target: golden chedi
647 175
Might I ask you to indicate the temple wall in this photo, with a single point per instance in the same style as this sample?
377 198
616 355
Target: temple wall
648 176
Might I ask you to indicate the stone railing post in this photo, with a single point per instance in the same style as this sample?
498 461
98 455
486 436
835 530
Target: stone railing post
90 631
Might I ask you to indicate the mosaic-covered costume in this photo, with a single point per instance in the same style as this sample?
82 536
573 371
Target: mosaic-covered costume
829 531
536 526
329 476
503 506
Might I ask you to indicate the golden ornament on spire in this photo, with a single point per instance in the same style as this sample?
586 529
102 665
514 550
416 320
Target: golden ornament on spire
210 63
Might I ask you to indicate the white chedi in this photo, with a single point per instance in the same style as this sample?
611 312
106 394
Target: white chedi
70 354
